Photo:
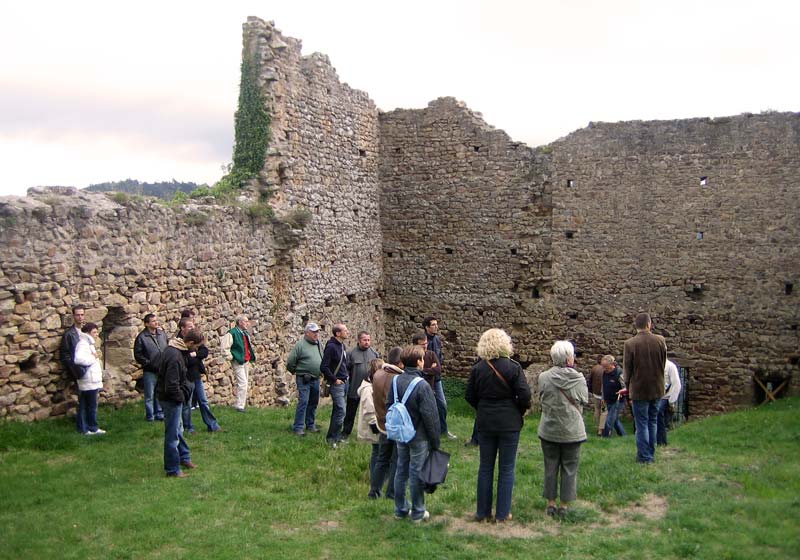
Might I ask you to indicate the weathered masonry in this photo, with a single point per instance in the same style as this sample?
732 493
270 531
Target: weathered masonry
430 211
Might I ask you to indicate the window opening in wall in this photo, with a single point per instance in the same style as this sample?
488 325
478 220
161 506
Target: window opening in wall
328 91
448 250
793 327
788 288
569 234
570 183
794 360
362 153
476 148
696 292
390 254
513 251
703 181
700 235
30 363
535 293
304 319
351 298
572 314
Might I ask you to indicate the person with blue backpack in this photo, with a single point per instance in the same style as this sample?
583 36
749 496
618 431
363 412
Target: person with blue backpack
412 420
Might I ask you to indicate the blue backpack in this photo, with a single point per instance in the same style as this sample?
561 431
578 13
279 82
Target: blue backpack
399 426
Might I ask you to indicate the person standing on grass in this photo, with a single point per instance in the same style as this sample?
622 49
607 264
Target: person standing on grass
196 367
386 463
147 350
358 361
334 367
498 391
672 390
594 381
431 326
90 383
563 393
612 395
304 361
237 347
367 427
67 353
645 357
421 405
175 391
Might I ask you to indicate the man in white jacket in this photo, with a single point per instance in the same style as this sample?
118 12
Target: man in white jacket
672 385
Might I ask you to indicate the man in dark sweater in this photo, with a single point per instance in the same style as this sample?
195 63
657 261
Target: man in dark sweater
421 405
174 390
644 357
334 367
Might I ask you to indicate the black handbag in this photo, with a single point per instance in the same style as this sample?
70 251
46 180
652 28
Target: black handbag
434 470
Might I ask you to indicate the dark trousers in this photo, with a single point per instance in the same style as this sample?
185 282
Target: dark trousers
383 470
502 447
350 416
663 421
561 460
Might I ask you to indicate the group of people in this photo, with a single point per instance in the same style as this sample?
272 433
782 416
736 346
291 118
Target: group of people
172 370
363 388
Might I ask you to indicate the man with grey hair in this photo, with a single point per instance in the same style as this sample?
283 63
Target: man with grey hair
645 356
304 361
237 347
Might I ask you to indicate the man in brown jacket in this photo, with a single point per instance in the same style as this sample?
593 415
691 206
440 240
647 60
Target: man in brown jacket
594 382
645 356
386 462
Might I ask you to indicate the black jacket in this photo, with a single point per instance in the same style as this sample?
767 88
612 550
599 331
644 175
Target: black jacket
147 349
334 351
499 407
421 407
67 352
173 381
612 382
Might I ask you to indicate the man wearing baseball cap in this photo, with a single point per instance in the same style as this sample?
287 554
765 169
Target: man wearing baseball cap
304 361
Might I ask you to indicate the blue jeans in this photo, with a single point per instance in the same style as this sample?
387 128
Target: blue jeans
307 401
152 408
86 418
645 415
612 420
384 468
186 414
339 398
503 447
176 450
199 394
441 405
664 416
410 457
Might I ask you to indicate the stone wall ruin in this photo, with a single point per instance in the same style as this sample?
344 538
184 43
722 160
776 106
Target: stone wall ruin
428 211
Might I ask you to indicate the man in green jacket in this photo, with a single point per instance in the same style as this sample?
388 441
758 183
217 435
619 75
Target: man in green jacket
238 348
304 361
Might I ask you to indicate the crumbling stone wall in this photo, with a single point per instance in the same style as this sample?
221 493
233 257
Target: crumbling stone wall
466 219
571 240
431 211
59 248
712 262
323 158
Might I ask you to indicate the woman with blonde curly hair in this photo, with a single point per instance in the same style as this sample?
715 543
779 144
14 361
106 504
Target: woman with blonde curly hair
500 394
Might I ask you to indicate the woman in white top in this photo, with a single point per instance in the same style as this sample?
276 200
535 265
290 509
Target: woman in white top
90 383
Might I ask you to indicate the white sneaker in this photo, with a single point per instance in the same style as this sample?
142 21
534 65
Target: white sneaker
451 435
425 517
98 432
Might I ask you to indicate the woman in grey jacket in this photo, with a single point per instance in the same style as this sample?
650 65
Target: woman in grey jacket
563 392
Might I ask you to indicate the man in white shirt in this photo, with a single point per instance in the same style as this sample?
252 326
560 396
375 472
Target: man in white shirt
672 385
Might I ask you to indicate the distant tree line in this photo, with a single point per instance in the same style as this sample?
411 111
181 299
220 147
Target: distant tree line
162 189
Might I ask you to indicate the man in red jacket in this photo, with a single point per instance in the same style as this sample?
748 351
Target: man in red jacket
645 356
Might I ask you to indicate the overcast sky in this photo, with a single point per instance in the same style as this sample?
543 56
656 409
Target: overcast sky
103 91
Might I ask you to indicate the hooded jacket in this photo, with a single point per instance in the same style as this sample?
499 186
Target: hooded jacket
366 413
86 355
381 383
563 392
173 382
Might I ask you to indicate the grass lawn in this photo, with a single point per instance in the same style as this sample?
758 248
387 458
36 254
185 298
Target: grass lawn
726 487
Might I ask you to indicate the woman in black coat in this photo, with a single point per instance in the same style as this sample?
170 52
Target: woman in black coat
500 394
